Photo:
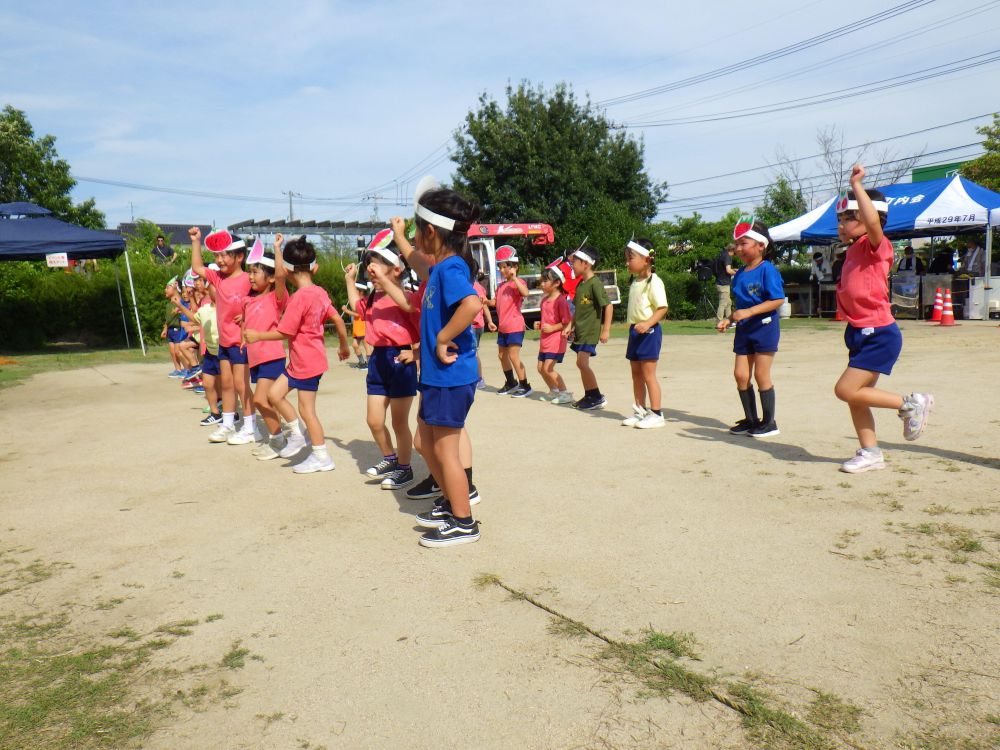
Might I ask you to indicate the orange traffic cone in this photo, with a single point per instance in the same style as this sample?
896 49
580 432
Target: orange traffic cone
938 307
948 314
838 316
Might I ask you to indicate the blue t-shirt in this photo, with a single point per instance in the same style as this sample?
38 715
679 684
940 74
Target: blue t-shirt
449 283
761 284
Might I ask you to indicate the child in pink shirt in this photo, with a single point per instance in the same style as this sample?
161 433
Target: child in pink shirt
481 321
392 327
302 326
552 345
872 336
510 294
231 284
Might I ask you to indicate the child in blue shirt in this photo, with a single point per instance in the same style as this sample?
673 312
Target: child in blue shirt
448 368
758 292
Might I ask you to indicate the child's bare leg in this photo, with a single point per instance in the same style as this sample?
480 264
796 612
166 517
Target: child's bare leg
514 355
377 406
263 405
211 395
241 382
762 370
587 376
857 388
650 383
228 388
453 479
503 354
638 384
277 395
173 355
307 410
423 443
399 408
741 371
546 376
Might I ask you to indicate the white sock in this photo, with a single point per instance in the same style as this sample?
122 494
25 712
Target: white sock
249 422
228 418
275 438
321 452
295 428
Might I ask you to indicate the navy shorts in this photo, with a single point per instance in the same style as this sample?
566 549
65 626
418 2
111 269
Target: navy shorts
590 349
873 349
446 406
236 355
267 370
479 335
304 384
176 335
387 377
557 356
510 339
755 336
210 364
643 347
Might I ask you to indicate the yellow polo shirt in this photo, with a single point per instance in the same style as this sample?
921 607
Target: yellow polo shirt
645 297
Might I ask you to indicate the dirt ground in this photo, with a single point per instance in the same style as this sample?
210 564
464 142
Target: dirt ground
874 588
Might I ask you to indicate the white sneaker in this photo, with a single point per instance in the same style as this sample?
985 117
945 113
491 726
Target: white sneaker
638 414
295 444
266 452
863 461
221 434
314 463
550 396
242 437
651 421
916 408
563 398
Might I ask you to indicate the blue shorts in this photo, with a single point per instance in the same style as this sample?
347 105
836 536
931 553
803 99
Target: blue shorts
873 349
754 336
267 370
176 335
236 355
510 339
210 364
590 349
387 377
643 347
446 407
479 335
557 356
304 384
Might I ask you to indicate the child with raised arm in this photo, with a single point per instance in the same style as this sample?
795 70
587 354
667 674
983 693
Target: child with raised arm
482 320
555 318
758 292
231 284
647 306
302 326
391 318
873 339
509 298
589 327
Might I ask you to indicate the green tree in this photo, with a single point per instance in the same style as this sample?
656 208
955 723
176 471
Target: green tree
31 170
986 169
545 156
782 203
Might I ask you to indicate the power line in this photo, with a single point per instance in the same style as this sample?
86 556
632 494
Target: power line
752 62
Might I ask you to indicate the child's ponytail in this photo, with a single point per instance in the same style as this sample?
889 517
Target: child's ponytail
451 205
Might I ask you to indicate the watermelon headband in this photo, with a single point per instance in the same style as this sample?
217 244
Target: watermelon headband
849 204
744 228
189 278
257 256
380 246
221 241
635 247
506 254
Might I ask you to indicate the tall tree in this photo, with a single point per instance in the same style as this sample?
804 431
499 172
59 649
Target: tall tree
986 169
545 156
31 170
782 202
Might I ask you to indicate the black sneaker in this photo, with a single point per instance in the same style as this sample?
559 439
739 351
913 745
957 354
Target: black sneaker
520 392
764 430
507 388
590 404
382 469
473 495
398 479
436 516
742 427
211 419
581 403
451 533
426 489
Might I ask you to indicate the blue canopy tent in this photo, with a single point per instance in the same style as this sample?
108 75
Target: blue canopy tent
30 232
933 208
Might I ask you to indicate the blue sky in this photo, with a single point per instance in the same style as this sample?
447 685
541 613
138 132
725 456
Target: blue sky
332 99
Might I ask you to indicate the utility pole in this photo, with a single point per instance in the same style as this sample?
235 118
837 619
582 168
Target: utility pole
374 198
291 213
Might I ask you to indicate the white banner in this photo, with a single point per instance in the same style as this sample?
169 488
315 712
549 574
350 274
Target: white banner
57 260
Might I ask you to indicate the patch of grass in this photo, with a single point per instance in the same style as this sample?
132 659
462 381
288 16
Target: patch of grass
235 658
936 509
181 628
844 485
958 559
845 538
126 633
133 586
16 575
980 510
992 580
269 719
213 618
879 553
567 628
177 574
771 727
894 505
106 604
955 579
964 544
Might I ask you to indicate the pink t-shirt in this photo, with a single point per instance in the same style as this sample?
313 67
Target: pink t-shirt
229 294
863 291
387 324
554 311
480 320
303 321
261 313
509 299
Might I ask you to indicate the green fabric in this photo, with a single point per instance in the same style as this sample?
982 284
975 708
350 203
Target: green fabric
589 301
173 317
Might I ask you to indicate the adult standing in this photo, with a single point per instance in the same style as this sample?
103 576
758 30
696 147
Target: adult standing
974 262
724 273
910 262
162 251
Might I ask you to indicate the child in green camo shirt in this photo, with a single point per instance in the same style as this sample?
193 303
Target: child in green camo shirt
588 327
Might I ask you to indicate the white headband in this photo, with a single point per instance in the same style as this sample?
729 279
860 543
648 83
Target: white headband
436 219
755 236
291 267
852 205
265 261
558 272
388 254
637 248
583 256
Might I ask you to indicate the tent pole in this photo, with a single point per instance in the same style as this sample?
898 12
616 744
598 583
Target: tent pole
135 307
121 303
